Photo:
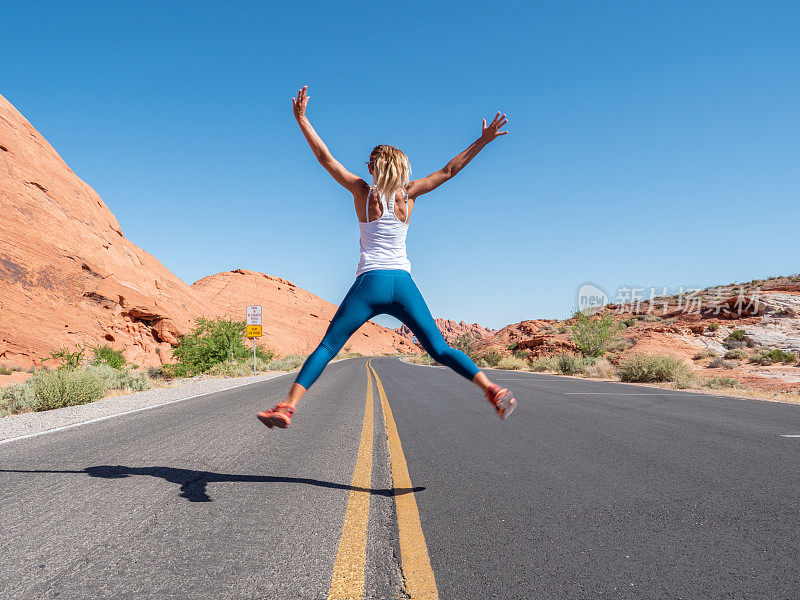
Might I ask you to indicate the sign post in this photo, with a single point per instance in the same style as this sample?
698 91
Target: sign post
254 328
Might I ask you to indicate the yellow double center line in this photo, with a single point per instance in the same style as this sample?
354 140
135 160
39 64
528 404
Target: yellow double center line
347 582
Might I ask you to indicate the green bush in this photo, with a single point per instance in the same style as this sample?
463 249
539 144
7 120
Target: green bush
736 354
105 355
520 353
643 368
723 382
211 342
68 359
774 356
4 370
569 363
65 387
16 398
713 326
492 357
466 343
737 335
593 336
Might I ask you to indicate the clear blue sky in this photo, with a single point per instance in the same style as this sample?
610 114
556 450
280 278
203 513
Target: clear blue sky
652 143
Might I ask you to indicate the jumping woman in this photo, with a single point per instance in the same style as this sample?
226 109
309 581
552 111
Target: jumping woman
383 280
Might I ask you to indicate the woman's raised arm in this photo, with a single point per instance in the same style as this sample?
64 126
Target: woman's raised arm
318 147
431 182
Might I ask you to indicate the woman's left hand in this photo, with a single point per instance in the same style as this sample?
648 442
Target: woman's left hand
492 131
300 103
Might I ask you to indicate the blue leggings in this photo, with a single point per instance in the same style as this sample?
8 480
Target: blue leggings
390 291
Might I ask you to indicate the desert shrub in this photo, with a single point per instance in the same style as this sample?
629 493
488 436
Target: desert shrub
154 373
736 354
4 370
649 318
68 359
288 363
105 355
65 387
620 345
601 369
120 379
720 363
543 363
16 398
466 343
569 363
512 363
643 368
628 322
547 328
211 342
707 353
713 326
562 329
232 368
491 357
774 356
593 336
736 335
481 364
684 380
520 353
732 344
723 382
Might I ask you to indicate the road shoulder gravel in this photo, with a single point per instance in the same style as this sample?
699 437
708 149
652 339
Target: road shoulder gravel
37 423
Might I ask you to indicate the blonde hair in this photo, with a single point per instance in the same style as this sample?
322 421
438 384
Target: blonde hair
390 168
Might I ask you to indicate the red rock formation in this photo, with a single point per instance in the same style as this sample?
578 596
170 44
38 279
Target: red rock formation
452 330
294 320
68 275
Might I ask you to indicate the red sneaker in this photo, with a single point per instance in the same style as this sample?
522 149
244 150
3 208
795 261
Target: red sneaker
280 416
502 400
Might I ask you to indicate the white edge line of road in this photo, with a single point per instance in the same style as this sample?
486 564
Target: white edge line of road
797 435
128 412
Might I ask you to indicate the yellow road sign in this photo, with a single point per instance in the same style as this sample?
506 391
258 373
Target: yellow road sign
254 331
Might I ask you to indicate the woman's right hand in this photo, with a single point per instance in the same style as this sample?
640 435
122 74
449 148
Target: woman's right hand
493 130
301 102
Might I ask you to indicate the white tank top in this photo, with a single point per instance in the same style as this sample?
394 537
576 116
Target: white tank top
383 241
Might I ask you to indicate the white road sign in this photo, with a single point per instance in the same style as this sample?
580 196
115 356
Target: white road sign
254 315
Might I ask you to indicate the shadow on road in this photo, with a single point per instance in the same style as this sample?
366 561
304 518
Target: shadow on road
193 483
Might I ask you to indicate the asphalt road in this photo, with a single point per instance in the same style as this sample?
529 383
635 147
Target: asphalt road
589 490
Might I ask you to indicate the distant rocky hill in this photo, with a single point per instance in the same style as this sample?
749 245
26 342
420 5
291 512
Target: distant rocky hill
451 330
767 311
68 274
